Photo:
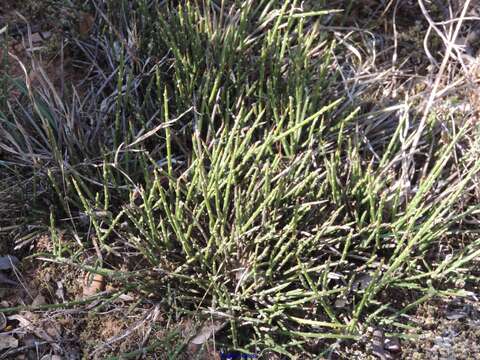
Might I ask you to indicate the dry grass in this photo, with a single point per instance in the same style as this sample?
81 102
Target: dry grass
291 174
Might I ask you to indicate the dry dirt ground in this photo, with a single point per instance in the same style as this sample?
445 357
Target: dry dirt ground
449 330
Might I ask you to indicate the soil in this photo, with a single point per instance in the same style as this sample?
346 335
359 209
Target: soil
449 330
84 331
35 37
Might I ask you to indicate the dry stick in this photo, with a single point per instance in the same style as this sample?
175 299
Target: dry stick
395 48
109 342
468 18
438 79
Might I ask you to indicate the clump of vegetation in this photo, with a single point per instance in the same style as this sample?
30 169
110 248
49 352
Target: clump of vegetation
216 160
